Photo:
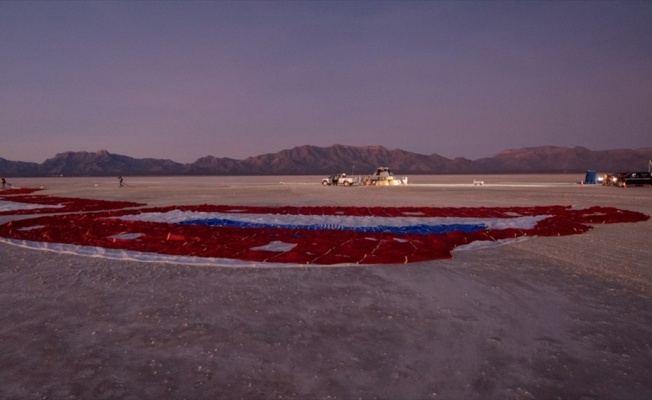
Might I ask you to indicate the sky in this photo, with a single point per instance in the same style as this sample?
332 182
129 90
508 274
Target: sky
182 80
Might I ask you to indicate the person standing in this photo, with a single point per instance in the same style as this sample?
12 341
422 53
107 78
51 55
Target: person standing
121 183
4 182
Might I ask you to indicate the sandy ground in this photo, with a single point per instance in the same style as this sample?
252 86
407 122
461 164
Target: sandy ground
549 318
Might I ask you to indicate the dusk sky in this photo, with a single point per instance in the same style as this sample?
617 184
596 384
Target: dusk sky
182 80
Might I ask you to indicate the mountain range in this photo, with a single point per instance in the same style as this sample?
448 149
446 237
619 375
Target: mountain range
313 160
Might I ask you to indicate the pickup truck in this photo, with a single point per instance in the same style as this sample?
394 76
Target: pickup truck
338 179
631 179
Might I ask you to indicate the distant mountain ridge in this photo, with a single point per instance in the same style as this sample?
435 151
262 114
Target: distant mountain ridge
313 160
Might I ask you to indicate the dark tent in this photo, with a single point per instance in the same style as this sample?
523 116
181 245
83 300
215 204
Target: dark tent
591 177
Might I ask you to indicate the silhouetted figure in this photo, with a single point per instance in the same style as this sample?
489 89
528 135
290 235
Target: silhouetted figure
4 182
120 179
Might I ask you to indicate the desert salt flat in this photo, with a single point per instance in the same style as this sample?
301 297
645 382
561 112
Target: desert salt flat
557 317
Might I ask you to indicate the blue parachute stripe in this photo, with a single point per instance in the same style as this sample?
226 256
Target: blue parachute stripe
421 229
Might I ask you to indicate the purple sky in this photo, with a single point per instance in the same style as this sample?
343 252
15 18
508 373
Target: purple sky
182 80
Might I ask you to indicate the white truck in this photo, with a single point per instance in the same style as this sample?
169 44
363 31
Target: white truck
338 179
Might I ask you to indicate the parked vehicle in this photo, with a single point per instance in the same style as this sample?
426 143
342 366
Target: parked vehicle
631 179
338 179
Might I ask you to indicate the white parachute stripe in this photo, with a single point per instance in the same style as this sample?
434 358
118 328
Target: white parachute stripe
129 255
485 244
177 216
276 246
17 206
126 236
